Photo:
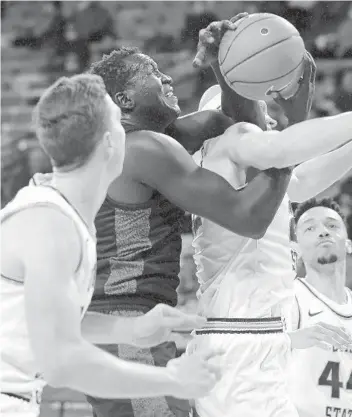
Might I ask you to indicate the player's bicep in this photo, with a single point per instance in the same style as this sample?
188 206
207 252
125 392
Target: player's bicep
167 167
51 304
256 148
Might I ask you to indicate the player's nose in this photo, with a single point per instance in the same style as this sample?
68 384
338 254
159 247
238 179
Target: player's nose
324 232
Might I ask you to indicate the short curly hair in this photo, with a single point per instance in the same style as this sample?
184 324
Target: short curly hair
69 118
114 70
313 202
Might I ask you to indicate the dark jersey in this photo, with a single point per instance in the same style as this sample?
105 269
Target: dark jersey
138 248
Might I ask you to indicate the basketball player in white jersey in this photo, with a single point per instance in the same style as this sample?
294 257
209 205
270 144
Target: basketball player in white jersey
246 285
321 379
48 269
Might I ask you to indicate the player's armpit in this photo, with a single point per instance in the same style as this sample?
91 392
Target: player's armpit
50 252
163 164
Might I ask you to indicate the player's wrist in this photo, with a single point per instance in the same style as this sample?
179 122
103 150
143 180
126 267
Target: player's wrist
173 383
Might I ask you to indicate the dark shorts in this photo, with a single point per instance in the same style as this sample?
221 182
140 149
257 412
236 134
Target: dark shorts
143 407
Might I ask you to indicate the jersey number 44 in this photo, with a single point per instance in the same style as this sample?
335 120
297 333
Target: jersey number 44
331 377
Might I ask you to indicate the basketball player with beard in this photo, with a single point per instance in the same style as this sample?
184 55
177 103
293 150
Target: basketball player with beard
138 225
320 380
246 285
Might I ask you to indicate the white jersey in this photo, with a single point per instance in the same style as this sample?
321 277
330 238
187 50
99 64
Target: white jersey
251 278
320 380
19 372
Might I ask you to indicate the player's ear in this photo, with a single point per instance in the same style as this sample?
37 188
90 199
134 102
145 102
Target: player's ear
349 246
124 101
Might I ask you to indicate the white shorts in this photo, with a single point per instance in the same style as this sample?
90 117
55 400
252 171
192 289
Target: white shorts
16 407
254 380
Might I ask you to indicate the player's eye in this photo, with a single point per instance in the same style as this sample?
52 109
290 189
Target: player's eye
332 226
310 229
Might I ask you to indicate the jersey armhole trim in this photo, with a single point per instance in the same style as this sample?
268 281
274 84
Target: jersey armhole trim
56 207
299 321
345 316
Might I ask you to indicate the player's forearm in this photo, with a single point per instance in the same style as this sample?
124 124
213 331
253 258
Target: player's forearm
104 329
250 211
312 138
318 174
237 107
247 212
90 370
294 145
263 196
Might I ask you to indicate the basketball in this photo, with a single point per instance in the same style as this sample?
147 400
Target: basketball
265 53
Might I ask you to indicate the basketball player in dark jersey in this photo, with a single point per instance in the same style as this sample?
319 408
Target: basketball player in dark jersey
139 224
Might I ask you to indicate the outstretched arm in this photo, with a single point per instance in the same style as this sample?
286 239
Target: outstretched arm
147 330
53 315
318 174
247 212
294 145
238 108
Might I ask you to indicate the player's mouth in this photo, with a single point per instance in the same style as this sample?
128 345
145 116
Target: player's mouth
326 242
169 95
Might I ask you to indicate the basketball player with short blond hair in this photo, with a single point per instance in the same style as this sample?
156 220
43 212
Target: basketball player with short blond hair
49 262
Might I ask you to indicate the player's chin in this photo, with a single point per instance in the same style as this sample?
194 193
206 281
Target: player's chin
177 110
173 106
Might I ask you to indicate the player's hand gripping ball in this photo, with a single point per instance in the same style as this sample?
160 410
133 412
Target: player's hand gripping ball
210 39
264 53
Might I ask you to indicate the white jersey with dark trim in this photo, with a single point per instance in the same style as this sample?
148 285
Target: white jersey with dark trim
321 380
19 372
250 278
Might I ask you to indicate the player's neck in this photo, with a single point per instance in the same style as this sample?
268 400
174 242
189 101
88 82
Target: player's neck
84 190
134 123
329 280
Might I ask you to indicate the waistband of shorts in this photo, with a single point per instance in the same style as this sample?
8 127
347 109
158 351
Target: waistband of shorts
242 326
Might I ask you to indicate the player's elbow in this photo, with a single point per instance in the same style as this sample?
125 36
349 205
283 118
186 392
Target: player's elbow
258 234
248 225
256 223
257 230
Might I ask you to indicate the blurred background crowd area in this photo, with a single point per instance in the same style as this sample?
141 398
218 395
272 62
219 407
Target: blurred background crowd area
41 41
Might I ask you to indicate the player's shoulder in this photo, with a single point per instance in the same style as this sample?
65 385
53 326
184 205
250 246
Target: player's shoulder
244 128
238 130
46 222
149 142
